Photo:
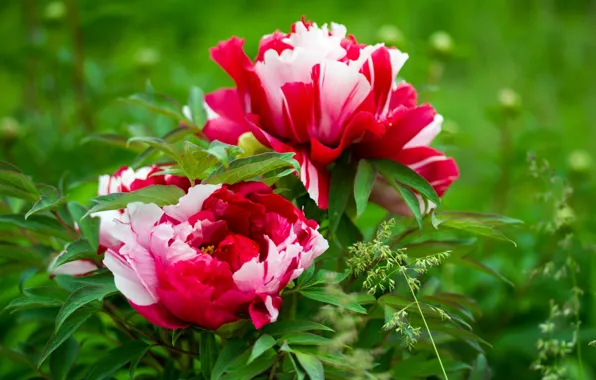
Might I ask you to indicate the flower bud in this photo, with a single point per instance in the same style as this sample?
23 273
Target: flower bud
9 128
441 42
509 99
391 35
250 145
580 160
147 57
54 11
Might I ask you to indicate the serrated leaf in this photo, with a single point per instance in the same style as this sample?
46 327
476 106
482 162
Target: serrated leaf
227 356
76 250
312 365
344 300
342 178
408 177
18 185
243 169
68 328
116 359
82 297
264 343
196 100
209 352
366 175
161 195
41 224
50 199
294 326
63 358
89 227
173 136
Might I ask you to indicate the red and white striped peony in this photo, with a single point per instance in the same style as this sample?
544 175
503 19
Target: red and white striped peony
317 92
223 253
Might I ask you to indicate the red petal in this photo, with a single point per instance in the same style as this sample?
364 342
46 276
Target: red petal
231 57
299 109
404 95
381 78
275 42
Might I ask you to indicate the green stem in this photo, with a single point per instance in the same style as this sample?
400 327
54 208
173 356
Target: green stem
63 223
577 321
432 341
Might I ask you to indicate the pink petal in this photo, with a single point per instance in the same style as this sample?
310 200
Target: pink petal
191 203
228 120
127 280
264 310
403 95
159 315
315 180
231 57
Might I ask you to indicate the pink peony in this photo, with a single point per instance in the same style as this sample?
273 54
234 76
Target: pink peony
221 254
123 181
317 92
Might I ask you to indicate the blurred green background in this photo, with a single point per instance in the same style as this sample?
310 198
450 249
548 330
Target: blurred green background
513 79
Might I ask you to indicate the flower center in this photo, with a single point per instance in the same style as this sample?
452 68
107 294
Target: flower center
208 250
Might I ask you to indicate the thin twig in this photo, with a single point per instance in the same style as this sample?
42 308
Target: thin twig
67 227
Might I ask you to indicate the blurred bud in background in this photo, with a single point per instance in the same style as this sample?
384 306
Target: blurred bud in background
10 129
54 11
580 161
509 99
391 35
250 145
441 43
147 57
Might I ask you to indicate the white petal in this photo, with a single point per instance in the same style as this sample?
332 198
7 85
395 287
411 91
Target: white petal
143 218
127 282
191 203
250 276
427 134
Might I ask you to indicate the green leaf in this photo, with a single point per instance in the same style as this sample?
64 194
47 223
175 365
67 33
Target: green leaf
41 296
469 262
343 300
20 254
477 228
328 277
306 276
250 371
116 359
160 145
363 184
312 365
408 177
480 224
243 169
63 358
18 185
112 139
480 370
300 375
41 224
173 136
347 232
196 161
82 297
303 339
224 152
226 358
342 178
197 109
26 275
264 343
208 350
411 201
161 195
89 227
50 199
76 250
155 104
17 357
71 283
294 326
71 325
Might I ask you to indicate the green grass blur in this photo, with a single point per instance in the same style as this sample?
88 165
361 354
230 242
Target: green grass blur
511 78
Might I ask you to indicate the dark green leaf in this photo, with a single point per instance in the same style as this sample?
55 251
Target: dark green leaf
328 277
469 262
411 201
19 253
77 250
250 371
89 227
71 283
303 339
41 224
42 296
50 199
264 343
342 300
18 185
208 353
68 328
82 297
63 358
306 276
26 275
363 184
17 357
116 359
408 177
342 179
347 232
227 356
312 365
480 370
197 109
161 195
287 327
243 169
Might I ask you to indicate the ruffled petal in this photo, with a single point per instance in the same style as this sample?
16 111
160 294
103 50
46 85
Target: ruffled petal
227 120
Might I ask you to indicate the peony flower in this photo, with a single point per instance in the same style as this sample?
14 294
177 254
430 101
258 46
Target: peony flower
123 181
317 92
221 254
